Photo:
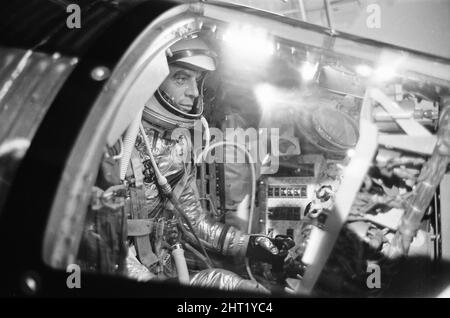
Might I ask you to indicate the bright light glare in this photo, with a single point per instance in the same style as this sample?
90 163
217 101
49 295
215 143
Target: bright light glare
388 67
266 95
31 283
351 153
364 70
308 70
248 42
384 73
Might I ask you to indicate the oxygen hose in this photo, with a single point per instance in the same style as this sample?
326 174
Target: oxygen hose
180 264
167 191
252 171
120 154
207 132
253 182
128 144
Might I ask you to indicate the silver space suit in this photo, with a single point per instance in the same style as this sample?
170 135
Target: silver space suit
169 155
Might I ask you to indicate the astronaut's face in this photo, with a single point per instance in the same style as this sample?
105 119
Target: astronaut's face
181 87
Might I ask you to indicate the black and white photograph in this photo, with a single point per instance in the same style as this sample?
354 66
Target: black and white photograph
235 151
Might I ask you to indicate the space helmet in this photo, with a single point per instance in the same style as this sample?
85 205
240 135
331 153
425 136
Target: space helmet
191 53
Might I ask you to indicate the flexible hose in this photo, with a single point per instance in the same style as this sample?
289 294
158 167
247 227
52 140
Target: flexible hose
196 253
253 192
207 132
249 271
120 154
183 215
128 144
207 136
252 171
180 264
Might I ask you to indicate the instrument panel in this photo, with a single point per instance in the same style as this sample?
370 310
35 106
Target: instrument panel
285 197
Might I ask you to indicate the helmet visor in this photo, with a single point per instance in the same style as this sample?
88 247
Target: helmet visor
201 59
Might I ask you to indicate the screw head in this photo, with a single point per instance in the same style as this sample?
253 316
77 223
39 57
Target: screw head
30 283
100 73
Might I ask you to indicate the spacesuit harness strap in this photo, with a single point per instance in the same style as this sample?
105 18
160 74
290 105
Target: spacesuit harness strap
139 227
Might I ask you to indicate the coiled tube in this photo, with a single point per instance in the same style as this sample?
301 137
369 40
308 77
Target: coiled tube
128 144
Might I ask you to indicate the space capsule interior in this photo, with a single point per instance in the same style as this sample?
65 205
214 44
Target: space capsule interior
338 142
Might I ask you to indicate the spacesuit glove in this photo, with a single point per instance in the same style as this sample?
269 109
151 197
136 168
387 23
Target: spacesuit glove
268 250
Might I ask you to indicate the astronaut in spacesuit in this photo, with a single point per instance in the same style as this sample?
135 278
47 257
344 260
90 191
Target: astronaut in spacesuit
178 103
